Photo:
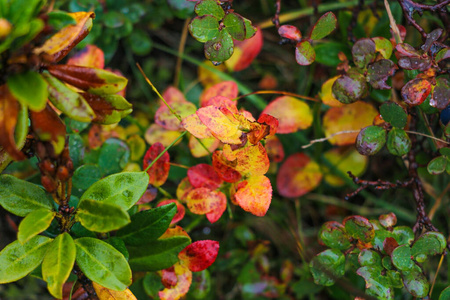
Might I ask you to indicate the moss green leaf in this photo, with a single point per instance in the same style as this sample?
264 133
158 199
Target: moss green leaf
209 7
235 26
204 28
100 216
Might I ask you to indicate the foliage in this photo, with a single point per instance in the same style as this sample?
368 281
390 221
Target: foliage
102 197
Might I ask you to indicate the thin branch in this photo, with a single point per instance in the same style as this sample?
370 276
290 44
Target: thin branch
176 80
278 93
276 18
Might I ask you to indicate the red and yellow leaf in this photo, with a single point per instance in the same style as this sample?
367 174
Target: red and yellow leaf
156 133
219 205
194 125
166 119
221 123
274 149
225 168
107 294
184 280
204 175
172 95
159 172
221 101
183 189
415 91
351 117
174 232
179 215
245 52
90 56
198 150
49 127
252 160
228 89
199 255
292 114
254 195
298 175
202 200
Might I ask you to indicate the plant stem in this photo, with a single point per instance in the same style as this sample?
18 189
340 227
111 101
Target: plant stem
165 150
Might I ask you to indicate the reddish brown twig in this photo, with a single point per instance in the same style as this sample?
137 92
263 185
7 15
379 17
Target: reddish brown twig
276 18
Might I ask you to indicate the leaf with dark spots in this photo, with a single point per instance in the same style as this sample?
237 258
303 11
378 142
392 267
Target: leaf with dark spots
406 50
379 72
60 44
363 52
225 168
166 119
49 127
431 38
388 220
220 48
199 255
9 112
108 109
96 81
377 284
370 140
235 26
304 53
160 170
414 63
290 32
440 97
415 91
350 88
359 228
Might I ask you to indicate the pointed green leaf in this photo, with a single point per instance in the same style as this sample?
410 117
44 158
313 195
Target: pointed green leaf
17 260
68 101
221 48
304 53
58 263
157 255
235 26
394 114
324 26
326 263
102 263
209 7
21 197
123 189
204 28
34 223
30 89
250 30
147 225
100 216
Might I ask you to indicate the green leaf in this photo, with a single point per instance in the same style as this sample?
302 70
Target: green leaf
100 216
363 52
221 48
123 189
140 42
250 30
157 255
21 197
85 176
34 223
147 225
403 235
359 228
394 114
350 88
235 26
17 260
30 89
324 26
437 165
370 140
119 245
369 258
415 282
204 28
58 263
428 244
445 151
59 19
333 235
68 101
376 283
442 54
304 53
398 142
401 258
384 46
327 53
113 19
326 263
209 7
114 156
102 263
445 294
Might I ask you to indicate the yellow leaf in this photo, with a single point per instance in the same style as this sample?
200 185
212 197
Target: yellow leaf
107 294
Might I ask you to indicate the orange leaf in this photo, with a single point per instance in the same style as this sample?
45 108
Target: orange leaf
225 168
298 175
173 232
199 255
166 119
219 205
156 133
202 200
292 114
349 117
204 175
159 172
228 89
254 195
49 127
245 52
252 160
183 189
91 56
221 123
195 127
180 210
184 280
107 294
274 149
64 40
197 149
221 101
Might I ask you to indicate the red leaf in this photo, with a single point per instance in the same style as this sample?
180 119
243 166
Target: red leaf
183 282
245 52
224 167
219 205
199 255
290 32
415 91
183 189
254 195
228 89
297 176
172 95
204 175
201 201
180 210
274 149
159 172
221 101
90 56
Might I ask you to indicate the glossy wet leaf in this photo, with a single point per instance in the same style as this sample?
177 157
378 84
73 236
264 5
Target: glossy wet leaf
324 26
428 244
398 142
29 88
304 53
378 72
90 56
290 32
220 48
437 165
440 97
166 119
159 171
298 175
369 258
401 258
326 94
122 189
344 160
102 263
384 46
235 26
347 118
333 235
34 223
376 283
415 282
58 263
85 176
161 254
394 114
209 7
332 261
109 294
49 127
445 294
254 195
363 52
147 225
415 91
370 140
204 28
17 260
403 235
114 156
199 255
292 114
183 281
100 216
350 88
224 168
359 228
21 197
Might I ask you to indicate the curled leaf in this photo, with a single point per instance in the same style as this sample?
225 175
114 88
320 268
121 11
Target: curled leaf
108 109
